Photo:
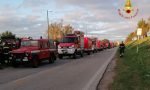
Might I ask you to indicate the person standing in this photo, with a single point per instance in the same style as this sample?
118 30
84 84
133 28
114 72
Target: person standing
1 55
6 49
122 49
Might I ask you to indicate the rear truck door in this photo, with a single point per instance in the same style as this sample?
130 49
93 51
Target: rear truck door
44 50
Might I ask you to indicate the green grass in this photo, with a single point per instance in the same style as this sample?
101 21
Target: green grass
133 70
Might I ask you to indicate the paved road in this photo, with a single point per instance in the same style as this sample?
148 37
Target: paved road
67 74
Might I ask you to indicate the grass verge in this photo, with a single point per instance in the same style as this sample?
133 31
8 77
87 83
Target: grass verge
133 70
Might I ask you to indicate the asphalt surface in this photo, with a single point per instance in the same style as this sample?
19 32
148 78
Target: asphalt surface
66 74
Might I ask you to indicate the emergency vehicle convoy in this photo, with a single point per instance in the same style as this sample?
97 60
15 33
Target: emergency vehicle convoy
33 51
77 44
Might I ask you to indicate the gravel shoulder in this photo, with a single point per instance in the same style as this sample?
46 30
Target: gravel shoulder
108 76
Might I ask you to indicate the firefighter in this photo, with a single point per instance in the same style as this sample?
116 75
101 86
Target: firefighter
6 50
1 55
122 49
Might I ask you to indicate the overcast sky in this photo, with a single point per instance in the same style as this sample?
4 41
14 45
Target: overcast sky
99 17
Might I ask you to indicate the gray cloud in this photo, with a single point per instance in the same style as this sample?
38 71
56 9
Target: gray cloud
93 15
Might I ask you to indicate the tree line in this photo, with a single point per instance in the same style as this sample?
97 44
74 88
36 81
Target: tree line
57 30
144 25
7 35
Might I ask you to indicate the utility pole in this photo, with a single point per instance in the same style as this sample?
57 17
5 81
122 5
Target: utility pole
86 29
48 24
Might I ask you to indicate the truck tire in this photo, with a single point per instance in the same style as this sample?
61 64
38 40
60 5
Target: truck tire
51 59
55 57
60 56
96 50
93 51
35 62
14 64
89 53
81 54
74 55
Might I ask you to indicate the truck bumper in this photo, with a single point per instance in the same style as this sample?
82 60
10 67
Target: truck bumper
19 60
87 50
66 51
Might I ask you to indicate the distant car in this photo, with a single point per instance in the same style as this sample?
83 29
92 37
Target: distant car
33 52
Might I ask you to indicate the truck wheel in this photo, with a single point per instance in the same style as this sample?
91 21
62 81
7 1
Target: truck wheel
55 58
35 63
74 55
96 51
14 64
60 56
81 54
89 53
52 59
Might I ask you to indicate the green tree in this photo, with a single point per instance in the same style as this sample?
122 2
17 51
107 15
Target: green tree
67 29
148 21
145 27
105 40
130 37
57 31
7 35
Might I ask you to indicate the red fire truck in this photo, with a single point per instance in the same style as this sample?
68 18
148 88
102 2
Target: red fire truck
94 48
99 45
112 45
87 45
33 51
71 45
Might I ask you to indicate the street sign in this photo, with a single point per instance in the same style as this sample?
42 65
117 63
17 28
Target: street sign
139 31
148 33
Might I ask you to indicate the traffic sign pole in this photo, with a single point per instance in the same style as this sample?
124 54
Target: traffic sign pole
139 33
138 45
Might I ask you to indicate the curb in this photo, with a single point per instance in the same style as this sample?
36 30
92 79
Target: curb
95 80
104 73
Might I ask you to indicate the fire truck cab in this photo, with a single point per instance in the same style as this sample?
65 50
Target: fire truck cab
71 45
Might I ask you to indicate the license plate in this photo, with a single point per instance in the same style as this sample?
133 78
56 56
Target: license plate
5 53
10 57
64 51
18 59
25 60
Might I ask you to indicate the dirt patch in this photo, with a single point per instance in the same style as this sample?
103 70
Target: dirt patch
108 76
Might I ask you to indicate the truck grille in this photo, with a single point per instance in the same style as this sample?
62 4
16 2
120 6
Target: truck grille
19 55
65 47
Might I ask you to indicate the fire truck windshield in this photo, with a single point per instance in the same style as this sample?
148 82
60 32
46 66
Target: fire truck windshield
29 43
69 40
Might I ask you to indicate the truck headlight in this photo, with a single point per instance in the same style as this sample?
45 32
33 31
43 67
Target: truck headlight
11 55
27 54
59 46
72 46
